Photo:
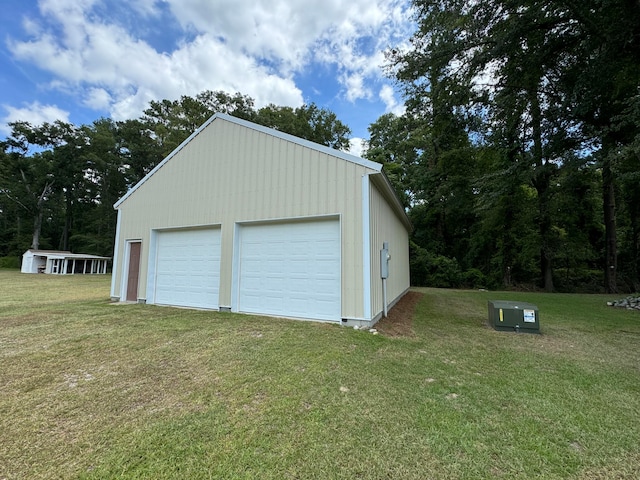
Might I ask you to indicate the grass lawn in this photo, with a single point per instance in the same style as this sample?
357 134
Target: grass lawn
95 390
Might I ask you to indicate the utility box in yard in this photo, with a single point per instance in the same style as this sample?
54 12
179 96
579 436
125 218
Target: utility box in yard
514 316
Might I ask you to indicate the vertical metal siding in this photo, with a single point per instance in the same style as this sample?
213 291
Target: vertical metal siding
387 227
230 173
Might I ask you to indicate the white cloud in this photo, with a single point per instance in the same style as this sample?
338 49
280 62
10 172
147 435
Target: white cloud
145 7
112 69
356 88
255 47
34 113
98 99
200 65
283 31
357 43
388 97
356 146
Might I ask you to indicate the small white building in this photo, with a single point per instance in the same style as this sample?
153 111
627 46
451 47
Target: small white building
62 262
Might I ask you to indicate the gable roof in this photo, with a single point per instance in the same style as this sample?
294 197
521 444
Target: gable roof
64 254
377 167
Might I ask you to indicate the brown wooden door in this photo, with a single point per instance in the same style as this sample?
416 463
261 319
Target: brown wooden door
134 271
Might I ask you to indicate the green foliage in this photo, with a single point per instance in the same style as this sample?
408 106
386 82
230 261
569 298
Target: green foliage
9 262
58 181
433 270
519 146
474 278
579 280
390 144
310 122
171 122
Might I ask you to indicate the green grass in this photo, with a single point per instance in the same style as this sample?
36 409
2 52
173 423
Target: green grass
94 390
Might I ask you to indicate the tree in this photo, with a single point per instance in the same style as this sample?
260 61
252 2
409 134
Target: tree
173 121
390 144
26 180
627 173
579 226
138 150
535 71
433 139
604 81
103 161
310 122
74 177
65 143
62 180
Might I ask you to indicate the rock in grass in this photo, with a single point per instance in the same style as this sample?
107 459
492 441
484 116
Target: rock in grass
632 302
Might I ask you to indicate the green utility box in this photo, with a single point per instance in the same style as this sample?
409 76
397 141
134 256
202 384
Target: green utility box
514 316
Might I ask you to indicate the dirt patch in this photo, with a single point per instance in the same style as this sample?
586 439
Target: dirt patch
399 322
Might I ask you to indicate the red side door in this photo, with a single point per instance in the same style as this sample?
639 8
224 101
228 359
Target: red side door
134 271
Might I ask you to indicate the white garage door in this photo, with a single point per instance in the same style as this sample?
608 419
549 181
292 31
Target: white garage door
188 268
291 270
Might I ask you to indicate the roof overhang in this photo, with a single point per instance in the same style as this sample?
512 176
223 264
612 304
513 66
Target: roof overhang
61 255
381 181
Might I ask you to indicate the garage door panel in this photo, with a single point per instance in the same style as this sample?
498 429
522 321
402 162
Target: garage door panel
291 270
188 268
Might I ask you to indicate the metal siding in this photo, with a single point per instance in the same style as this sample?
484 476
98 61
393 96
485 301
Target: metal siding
230 173
386 227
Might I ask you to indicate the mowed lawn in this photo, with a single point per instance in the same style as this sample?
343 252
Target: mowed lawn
90 389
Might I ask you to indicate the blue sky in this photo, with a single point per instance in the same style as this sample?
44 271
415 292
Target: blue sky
79 60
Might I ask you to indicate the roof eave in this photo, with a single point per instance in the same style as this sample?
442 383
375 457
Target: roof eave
382 181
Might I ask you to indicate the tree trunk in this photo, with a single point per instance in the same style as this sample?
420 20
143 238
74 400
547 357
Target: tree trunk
37 221
508 247
611 244
67 222
632 211
545 231
547 271
37 227
541 181
635 240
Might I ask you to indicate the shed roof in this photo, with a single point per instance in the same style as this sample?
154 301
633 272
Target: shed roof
65 254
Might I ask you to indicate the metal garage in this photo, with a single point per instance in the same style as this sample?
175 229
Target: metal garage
298 229
188 268
290 269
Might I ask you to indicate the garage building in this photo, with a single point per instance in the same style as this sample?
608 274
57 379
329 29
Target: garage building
244 218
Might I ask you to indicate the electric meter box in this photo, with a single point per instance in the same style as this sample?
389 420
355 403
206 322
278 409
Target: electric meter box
514 316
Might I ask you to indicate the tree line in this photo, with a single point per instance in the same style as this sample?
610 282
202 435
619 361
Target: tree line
58 181
517 158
